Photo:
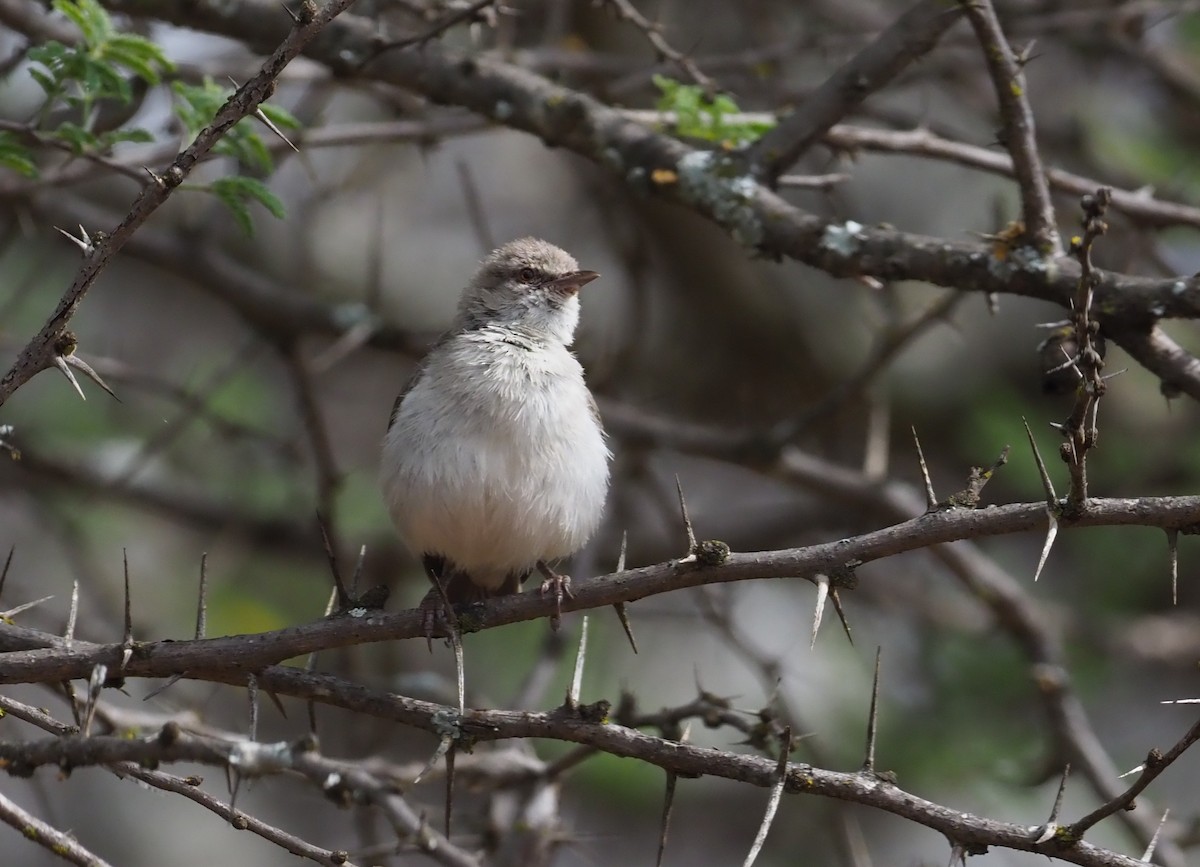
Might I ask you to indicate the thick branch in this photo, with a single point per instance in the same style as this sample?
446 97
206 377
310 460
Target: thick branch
711 184
249 652
680 758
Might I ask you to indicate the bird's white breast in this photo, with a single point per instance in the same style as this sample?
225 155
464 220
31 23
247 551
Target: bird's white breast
495 459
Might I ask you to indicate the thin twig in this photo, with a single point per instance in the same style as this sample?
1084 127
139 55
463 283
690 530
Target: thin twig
39 353
1155 764
47 836
913 35
772 803
1019 138
653 33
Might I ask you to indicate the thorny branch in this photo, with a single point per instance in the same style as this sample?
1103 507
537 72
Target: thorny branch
171 744
847 248
1018 136
709 184
1080 429
162 659
913 35
42 351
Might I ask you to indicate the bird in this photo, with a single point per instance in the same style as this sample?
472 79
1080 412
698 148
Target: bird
495 462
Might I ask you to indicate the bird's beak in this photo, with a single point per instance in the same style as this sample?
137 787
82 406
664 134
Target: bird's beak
569 284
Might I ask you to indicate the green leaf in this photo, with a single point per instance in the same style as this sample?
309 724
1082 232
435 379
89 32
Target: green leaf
139 56
103 81
198 105
251 151
237 206
90 17
101 68
76 136
133 134
14 155
698 116
44 79
237 191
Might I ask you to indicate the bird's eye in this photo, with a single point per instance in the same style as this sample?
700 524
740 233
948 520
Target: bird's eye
527 275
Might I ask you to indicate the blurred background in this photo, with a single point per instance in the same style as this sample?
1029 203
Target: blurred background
256 374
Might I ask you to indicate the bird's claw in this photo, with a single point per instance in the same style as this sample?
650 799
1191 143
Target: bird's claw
433 616
560 586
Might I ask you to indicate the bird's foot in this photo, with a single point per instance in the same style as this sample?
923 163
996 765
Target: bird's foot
560 586
437 615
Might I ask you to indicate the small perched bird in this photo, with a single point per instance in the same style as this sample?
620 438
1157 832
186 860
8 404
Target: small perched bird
495 462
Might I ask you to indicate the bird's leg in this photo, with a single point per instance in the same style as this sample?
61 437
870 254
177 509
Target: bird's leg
435 605
559 585
433 613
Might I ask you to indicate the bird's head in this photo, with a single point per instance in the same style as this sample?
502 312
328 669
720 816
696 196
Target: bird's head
529 284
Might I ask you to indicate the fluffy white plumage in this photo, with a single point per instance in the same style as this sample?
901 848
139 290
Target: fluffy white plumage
495 458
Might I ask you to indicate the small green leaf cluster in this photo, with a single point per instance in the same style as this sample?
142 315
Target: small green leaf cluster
108 69
102 67
16 156
699 115
196 106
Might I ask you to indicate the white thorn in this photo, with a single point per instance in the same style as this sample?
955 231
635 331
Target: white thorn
822 582
1050 829
83 242
1154 840
79 364
580 656
1051 533
13 612
266 120
61 363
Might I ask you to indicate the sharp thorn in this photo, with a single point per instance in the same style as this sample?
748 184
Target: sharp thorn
930 496
873 715
69 634
61 363
665 823
261 115
1047 484
1153 844
1173 555
202 603
577 678
623 616
7 562
773 802
127 634
86 369
822 582
687 521
1051 533
171 681
1058 799
13 612
841 613
252 695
